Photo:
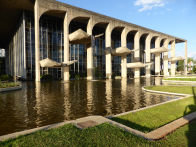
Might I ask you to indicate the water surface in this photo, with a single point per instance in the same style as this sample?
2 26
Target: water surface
45 103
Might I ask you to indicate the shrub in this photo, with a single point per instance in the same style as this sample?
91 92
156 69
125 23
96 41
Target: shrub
46 77
6 78
77 77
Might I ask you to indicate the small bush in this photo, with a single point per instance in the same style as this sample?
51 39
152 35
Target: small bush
8 84
77 77
46 77
6 78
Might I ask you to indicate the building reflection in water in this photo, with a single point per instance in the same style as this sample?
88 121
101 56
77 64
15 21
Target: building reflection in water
124 94
38 101
49 102
67 103
45 103
108 96
137 92
90 96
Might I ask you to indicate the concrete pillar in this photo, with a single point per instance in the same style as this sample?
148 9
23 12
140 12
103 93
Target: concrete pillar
37 50
90 52
147 51
137 53
165 59
185 61
108 57
173 63
157 58
66 47
24 49
124 57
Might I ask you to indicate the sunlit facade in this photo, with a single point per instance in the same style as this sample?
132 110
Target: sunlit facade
43 31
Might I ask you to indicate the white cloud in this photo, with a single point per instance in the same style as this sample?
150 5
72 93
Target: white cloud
149 4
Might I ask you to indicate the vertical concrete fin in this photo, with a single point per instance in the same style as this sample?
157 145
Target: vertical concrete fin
37 50
66 47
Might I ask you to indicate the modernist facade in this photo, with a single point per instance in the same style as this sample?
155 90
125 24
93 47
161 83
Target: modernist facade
115 48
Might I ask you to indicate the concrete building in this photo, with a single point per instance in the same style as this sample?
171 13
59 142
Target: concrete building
33 30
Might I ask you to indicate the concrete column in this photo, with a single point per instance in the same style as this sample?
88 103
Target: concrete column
173 64
66 47
90 52
157 58
108 57
165 59
124 57
147 51
24 48
137 53
185 61
37 50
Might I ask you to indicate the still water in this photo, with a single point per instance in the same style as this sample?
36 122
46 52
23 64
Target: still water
39 104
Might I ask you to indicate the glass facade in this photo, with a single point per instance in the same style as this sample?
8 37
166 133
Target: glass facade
16 51
52 47
99 57
116 60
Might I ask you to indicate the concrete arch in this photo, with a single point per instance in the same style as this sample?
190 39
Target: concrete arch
162 41
101 25
52 12
130 37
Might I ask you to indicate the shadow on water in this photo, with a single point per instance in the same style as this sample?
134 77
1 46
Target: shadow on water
191 132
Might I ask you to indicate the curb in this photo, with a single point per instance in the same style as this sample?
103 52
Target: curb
173 81
31 131
162 92
152 91
10 88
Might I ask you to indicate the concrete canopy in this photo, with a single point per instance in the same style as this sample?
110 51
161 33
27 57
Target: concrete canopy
136 65
49 63
159 50
53 64
120 51
176 59
79 37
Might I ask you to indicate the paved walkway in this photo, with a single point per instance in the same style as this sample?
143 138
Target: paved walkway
92 121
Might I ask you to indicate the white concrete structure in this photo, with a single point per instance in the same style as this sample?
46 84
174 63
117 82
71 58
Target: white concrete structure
90 21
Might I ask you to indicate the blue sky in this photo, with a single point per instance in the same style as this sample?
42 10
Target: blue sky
174 17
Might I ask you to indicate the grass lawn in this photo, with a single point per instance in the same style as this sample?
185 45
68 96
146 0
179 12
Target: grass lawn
181 79
152 118
8 84
102 135
108 135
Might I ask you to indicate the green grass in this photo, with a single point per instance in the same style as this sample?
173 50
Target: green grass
181 79
108 135
8 84
153 118
102 135
174 89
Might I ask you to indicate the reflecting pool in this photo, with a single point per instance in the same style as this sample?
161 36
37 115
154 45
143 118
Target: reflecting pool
44 103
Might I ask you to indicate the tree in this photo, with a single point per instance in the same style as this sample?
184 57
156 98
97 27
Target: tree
180 65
